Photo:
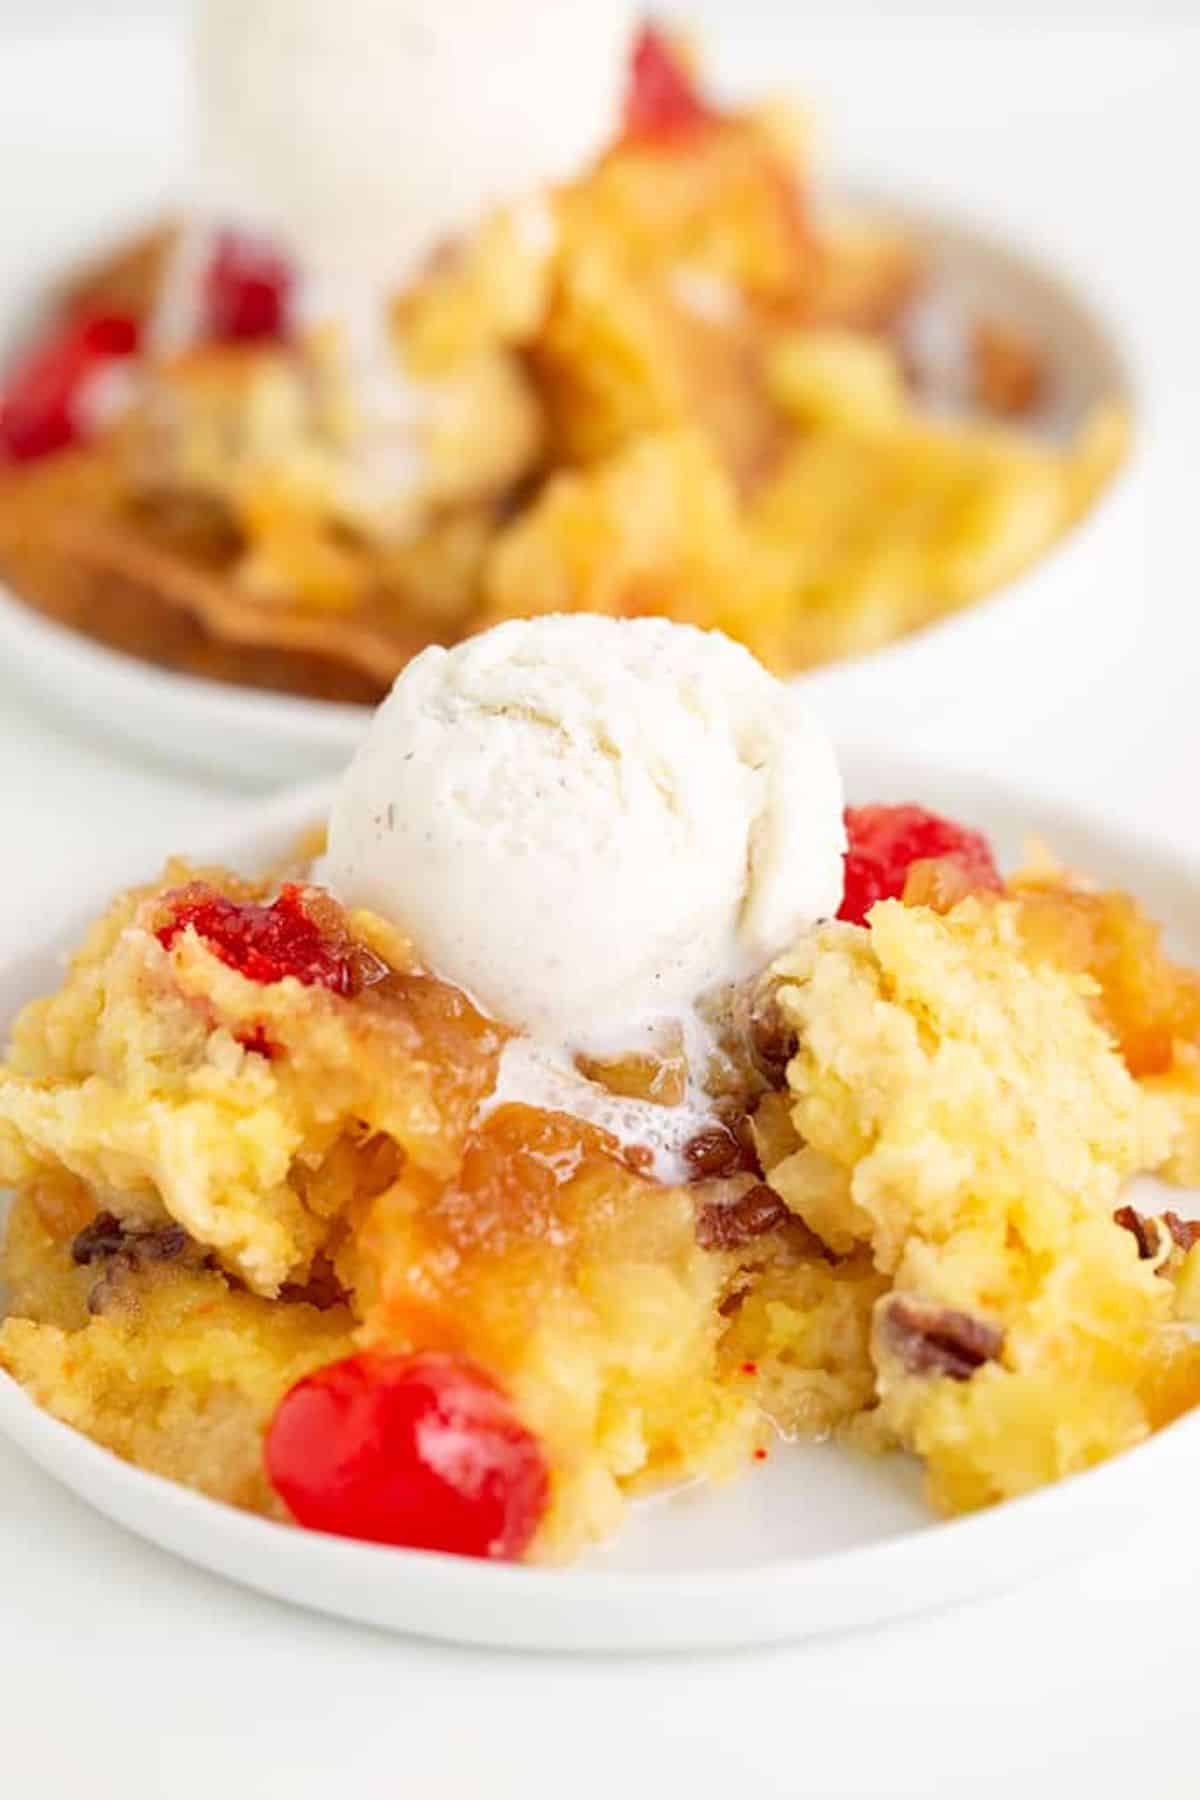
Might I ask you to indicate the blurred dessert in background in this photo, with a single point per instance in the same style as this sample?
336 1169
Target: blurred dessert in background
363 136
459 324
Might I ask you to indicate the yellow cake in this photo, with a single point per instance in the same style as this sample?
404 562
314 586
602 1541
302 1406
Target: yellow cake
907 1228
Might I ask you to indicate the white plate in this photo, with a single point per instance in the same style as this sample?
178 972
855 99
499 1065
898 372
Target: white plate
951 683
817 1540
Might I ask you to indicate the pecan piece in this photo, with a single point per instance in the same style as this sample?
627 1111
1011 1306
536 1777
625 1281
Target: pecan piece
1148 1231
937 1340
1184 1232
713 1151
728 1225
124 1250
322 1289
106 1236
771 1042
1143 1230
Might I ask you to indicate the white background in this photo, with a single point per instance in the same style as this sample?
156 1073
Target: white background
125 1674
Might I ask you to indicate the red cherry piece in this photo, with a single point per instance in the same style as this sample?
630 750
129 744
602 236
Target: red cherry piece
662 101
39 410
885 841
111 334
265 943
247 291
423 1451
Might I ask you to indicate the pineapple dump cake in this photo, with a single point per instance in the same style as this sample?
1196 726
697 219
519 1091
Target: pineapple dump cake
436 346
605 1107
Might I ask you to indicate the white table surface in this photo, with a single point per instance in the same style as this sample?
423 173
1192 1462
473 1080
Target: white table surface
127 1674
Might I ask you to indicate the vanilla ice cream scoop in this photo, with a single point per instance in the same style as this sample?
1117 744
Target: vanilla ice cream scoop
360 134
589 822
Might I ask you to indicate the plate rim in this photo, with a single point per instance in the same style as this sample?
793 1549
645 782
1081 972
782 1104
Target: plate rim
16 1403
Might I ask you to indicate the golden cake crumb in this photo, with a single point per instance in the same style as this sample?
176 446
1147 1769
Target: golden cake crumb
962 1116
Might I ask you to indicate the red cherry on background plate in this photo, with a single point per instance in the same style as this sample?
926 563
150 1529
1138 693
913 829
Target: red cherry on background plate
39 408
247 291
663 100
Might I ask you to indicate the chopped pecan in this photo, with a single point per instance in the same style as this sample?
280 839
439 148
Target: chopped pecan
1144 1230
1148 1231
727 1225
104 1295
164 1244
771 1042
125 1249
713 1151
1184 1232
106 1236
322 1289
937 1340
